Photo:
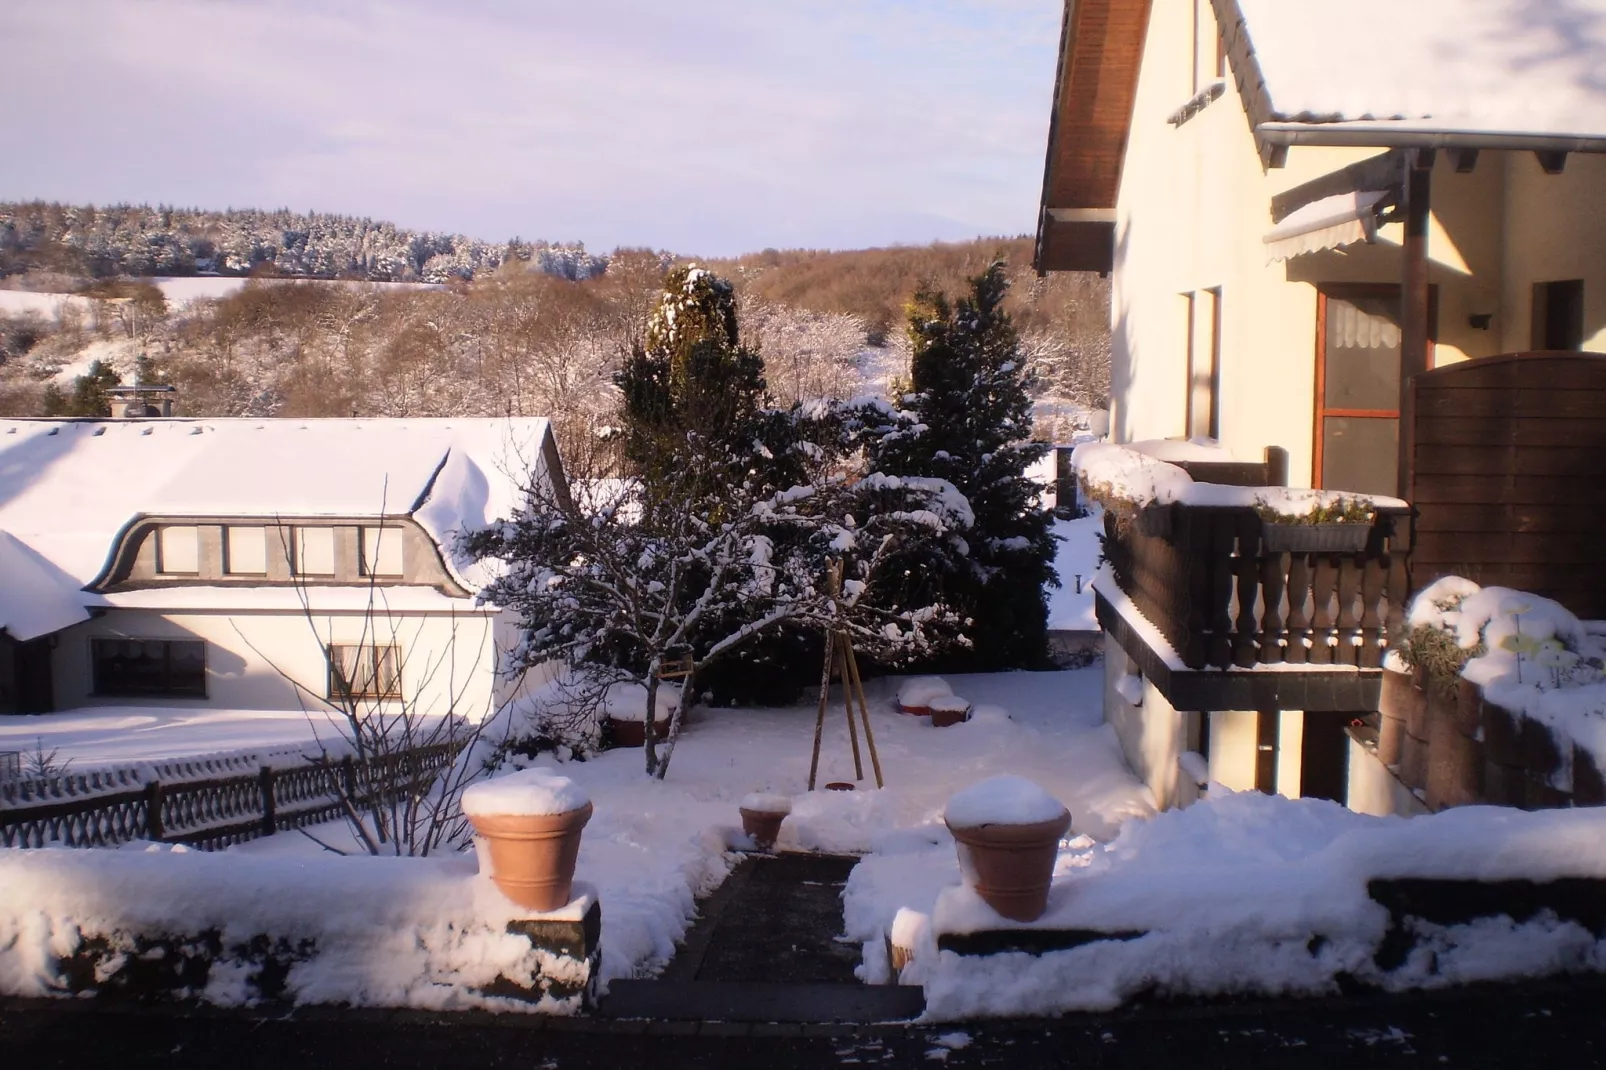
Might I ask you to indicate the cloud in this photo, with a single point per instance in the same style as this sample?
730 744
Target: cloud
714 128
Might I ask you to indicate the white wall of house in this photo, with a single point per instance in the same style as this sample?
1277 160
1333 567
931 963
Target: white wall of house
448 661
1195 203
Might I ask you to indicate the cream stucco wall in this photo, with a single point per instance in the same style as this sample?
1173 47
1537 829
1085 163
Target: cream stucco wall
1193 208
449 660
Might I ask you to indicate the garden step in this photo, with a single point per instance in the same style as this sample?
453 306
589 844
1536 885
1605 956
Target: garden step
750 1001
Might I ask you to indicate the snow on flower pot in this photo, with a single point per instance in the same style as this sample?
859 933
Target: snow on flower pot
1007 832
762 816
916 694
624 712
949 710
528 829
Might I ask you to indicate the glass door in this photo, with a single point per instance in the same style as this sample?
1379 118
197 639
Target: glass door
1358 388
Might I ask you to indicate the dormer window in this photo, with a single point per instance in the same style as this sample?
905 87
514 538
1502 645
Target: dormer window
178 550
382 551
245 551
315 551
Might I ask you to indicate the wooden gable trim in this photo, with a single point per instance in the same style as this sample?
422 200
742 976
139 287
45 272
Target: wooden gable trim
1095 88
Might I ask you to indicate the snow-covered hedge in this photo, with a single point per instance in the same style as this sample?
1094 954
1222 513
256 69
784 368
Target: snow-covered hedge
396 932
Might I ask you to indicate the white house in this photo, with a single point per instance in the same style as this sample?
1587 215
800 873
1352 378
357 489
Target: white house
250 564
1302 204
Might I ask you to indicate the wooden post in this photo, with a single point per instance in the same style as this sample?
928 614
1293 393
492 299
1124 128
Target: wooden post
847 706
268 815
153 811
1414 305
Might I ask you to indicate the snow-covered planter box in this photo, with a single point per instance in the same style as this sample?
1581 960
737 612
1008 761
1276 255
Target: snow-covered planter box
949 710
915 695
237 929
1245 894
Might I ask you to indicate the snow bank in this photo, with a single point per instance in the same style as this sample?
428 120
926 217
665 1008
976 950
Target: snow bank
628 701
426 933
918 693
1002 800
530 793
1241 893
767 803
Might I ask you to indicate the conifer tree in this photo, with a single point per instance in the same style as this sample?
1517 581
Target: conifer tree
971 402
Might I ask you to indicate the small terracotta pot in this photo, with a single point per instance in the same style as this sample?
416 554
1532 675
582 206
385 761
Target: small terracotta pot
915 711
1011 866
634 733
763 825
532 856
947 718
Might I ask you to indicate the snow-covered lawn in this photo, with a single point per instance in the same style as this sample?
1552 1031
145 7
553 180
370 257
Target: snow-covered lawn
116 735
1071 610
652 847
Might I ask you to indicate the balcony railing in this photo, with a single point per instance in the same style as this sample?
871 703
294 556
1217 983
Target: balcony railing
1203 577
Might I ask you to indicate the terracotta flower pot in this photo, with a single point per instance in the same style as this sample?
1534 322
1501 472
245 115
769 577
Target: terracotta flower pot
949 711
634 733
1011 866
532 856
763 825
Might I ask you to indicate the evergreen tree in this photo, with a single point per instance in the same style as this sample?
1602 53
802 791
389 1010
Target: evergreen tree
89 397
971 404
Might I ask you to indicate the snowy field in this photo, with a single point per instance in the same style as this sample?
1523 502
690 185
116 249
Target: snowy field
178 291
116 735
652 847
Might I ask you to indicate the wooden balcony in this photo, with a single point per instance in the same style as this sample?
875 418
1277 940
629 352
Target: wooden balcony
1229 625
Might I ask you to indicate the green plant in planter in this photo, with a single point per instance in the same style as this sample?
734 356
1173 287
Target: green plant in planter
1438 654
1340 510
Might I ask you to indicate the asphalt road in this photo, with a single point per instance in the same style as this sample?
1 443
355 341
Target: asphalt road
1556 1023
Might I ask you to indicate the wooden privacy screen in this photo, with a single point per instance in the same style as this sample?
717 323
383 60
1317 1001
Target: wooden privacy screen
1509 476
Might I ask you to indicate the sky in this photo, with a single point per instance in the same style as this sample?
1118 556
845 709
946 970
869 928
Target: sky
707 128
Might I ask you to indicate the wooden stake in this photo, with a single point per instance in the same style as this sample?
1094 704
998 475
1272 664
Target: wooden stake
864 710
819 720
847 705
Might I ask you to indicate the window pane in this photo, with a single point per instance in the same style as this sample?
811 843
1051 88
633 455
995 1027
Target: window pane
386 676
148 667
178 549
315 551
245 551
363 671
1363 353
382 551
1360 454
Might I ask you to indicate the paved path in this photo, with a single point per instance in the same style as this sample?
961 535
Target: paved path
765 948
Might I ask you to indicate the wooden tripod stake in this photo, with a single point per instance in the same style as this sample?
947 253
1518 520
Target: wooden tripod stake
839 656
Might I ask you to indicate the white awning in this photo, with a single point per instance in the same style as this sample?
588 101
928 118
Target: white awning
1326 224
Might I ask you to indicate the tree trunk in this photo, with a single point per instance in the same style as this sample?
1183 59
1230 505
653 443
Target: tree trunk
650 740
675 721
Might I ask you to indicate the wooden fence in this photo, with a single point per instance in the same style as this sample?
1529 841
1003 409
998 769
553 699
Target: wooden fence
216 812
1509 475
1201 575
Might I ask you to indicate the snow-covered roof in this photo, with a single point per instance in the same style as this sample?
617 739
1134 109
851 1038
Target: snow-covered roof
68 487
1371 69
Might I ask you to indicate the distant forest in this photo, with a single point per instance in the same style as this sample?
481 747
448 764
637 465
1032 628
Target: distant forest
521 328
139 240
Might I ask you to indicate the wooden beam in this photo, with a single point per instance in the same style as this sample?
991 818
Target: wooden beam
1414 301
1552 162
